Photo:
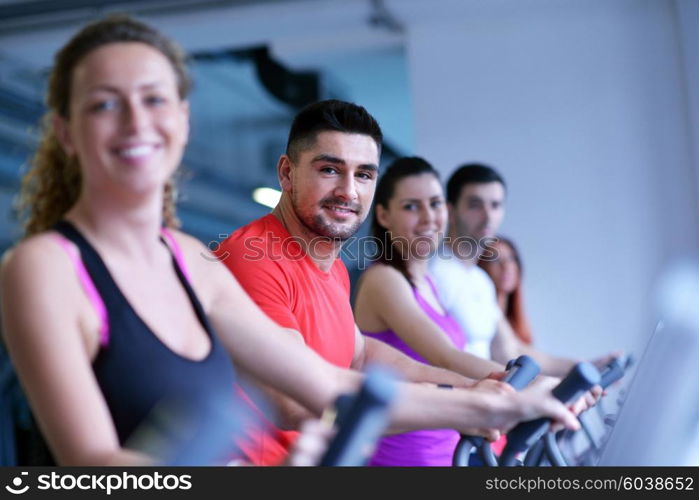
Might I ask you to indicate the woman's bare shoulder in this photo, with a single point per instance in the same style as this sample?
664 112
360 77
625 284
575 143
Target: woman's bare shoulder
381 281
382 275
37 253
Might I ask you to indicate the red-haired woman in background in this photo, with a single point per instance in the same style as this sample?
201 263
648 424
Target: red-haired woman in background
506 272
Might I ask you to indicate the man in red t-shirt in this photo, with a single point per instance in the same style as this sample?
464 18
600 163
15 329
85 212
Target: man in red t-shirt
288 260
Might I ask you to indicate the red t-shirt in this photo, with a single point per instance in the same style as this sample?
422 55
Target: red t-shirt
288 286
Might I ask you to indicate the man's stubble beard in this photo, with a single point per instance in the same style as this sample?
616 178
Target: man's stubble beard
319 226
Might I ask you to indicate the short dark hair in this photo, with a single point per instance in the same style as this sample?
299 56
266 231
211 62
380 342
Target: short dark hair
330 115
471 173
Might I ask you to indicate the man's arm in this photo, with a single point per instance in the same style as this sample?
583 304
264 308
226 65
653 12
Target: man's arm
369 351
488 405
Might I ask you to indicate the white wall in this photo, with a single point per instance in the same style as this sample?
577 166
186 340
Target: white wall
583 107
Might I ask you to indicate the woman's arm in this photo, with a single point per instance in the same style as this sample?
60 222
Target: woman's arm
506 345
371 351
386 295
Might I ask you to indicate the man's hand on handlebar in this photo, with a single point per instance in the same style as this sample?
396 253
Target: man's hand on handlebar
537 401
585 402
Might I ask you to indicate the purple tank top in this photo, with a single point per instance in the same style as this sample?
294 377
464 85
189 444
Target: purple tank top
430 447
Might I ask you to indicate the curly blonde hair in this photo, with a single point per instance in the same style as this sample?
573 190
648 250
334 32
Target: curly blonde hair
52 184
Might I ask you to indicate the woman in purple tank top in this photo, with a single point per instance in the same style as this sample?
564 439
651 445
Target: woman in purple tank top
397 303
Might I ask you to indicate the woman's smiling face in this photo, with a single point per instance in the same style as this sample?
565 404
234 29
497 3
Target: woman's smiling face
416 215
127 124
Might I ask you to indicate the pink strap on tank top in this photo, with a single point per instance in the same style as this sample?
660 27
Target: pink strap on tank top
89 287
177 253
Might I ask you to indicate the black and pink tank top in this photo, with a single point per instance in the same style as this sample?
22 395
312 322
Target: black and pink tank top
134 369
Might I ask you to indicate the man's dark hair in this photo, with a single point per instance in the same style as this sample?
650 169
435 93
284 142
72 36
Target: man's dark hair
471 173
330 115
